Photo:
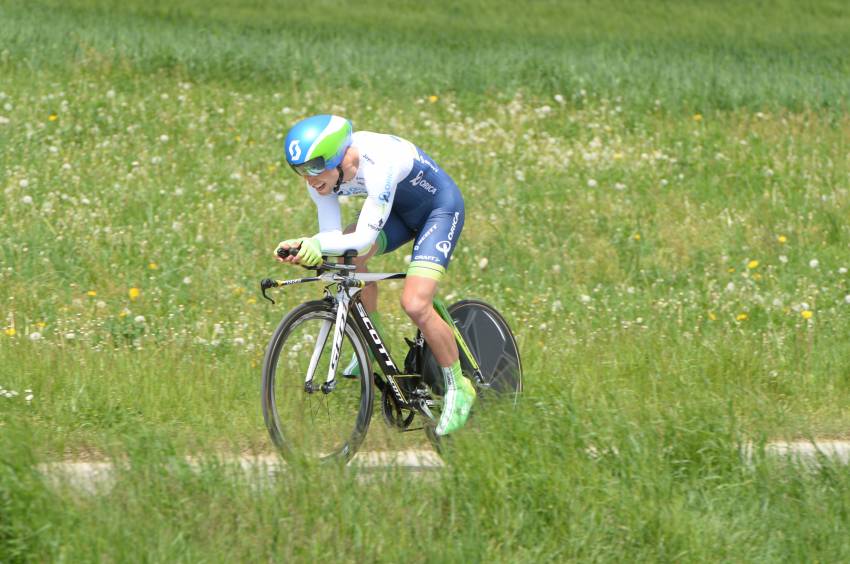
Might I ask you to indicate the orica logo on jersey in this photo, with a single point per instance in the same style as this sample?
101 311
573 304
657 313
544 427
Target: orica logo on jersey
295 149
454 224
419 180
444 247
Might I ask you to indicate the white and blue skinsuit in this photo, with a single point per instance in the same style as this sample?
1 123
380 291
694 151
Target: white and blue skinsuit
407 196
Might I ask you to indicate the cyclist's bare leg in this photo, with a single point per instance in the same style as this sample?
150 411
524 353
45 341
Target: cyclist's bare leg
417 301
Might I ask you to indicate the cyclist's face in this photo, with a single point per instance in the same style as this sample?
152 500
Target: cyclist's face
324 182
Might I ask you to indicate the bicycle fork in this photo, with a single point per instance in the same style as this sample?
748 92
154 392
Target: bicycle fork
343 301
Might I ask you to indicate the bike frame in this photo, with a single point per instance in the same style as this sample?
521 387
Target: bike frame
347 299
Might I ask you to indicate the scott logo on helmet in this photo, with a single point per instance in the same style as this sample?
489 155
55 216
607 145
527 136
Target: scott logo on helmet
294 150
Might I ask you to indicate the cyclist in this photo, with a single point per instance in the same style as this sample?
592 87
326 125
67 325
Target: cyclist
407 196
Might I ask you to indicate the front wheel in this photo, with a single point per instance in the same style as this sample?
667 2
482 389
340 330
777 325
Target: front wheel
303 421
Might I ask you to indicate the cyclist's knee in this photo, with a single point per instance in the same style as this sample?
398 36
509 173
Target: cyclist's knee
416 306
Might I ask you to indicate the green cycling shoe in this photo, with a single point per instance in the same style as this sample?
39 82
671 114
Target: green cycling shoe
457 402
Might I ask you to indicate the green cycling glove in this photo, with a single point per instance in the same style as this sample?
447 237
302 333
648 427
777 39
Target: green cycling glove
311 252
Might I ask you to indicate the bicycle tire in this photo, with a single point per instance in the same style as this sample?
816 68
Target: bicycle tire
284 426
491 342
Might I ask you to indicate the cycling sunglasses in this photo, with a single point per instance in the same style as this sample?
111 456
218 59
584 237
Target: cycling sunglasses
310 168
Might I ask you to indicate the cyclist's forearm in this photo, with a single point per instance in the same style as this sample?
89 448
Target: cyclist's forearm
336 243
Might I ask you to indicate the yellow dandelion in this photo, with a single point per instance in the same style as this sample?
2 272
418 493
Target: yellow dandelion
238 138
52 117
618 156
10 331
730 270
741 317
134 293
697 117
636 236
153 266
782 239
123 313
712 316
239 290
252 300
91 293
753 264
41 324
807 313
432 98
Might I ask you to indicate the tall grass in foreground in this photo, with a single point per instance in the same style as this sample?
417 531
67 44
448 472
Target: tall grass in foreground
541 483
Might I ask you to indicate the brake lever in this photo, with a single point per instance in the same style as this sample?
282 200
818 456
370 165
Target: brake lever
265 284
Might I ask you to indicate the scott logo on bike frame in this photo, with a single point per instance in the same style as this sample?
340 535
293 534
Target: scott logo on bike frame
375 337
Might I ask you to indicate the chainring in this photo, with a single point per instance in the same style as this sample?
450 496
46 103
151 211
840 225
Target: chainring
393 414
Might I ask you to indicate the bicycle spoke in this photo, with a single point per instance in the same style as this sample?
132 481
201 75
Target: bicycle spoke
313 424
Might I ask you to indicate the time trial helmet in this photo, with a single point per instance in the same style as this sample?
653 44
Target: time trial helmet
317 143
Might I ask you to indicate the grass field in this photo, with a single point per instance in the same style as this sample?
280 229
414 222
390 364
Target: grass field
657 200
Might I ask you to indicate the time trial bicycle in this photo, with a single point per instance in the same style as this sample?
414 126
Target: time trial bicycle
309 419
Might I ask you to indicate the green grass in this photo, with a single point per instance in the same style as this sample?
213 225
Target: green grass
693 55
667 237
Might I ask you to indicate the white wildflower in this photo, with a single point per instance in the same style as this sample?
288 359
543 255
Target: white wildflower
24 183
110 93
4 120
557 306
35 336
187 280
28 397
730 287
584 298
140 319
218 329
814 263
70 335
26 200
482 264
559 98
783 259
847 299
520 175
238 341
842 270
163 138
592 183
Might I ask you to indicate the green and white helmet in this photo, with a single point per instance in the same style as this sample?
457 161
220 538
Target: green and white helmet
317 143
